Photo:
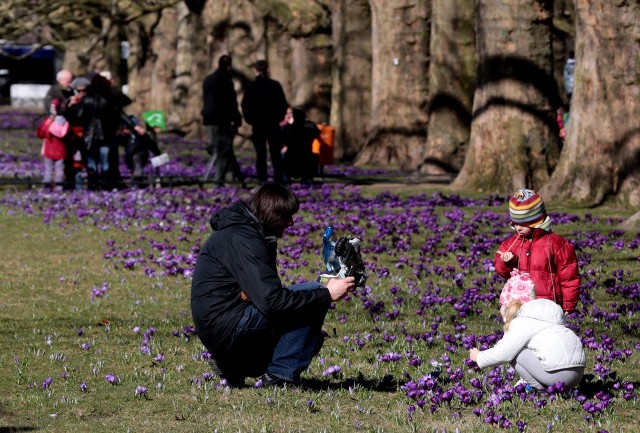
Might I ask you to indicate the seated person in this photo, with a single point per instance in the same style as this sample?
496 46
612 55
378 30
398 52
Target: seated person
299 161
138 141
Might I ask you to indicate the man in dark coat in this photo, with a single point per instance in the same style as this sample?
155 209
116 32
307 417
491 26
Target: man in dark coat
61 91
222 118
249 322
264 106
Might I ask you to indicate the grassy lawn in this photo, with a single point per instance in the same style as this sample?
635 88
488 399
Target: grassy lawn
95 324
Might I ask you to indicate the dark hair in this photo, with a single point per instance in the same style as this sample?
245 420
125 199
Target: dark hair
224 61
274 205
261 66
299 116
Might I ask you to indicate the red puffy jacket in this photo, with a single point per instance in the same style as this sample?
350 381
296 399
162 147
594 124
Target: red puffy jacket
550 260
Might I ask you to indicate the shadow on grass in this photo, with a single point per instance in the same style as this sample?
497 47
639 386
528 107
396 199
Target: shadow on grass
16 429
589 386
386 384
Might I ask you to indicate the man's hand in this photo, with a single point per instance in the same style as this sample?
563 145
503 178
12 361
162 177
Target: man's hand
338 287
506 257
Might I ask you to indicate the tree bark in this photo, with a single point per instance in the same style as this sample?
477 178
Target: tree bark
400 44
351 76
514 137
452 77
602 148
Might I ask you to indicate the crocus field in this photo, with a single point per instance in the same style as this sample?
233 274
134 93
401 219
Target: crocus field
97 336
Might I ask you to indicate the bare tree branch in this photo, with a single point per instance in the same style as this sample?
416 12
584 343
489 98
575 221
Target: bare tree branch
57 22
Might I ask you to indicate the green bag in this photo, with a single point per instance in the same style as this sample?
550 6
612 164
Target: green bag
155 119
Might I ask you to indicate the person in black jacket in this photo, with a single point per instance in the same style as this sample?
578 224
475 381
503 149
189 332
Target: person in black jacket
249 322
298 158
100 113
222 118
264 106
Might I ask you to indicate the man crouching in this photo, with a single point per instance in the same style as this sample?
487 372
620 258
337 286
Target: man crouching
249 322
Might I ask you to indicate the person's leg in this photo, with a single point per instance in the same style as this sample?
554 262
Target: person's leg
104 160
92 168
250 350
233 164
260 144
223 145
47 176
300 340
69 171
58 178
275 149
529 367
79 180
136 161
212 131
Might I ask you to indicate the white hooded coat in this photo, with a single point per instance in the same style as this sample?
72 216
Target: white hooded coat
539 326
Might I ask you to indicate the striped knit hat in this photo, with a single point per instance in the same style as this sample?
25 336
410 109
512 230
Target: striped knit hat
526 208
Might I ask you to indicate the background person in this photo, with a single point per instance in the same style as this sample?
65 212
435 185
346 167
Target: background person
138 141
250 323
264 106
60 91
548 257
100 113
568 72
222 119
298 158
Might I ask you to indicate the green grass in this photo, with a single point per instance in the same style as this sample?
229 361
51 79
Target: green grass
48 271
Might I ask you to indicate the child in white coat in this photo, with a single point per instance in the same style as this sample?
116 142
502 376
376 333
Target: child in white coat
539 346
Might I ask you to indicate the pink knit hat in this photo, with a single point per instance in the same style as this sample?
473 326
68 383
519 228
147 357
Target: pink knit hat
519 287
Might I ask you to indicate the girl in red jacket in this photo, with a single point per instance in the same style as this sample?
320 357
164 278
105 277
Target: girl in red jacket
549 258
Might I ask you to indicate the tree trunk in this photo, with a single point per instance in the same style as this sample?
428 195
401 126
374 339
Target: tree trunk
400 44
452 76
151 62
514 137
602 148
564 34
351 76
191 66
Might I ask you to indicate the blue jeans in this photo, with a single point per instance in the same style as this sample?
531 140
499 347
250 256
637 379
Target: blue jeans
281 349
98 157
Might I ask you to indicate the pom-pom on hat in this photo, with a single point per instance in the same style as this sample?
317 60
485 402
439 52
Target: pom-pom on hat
519 287
526 208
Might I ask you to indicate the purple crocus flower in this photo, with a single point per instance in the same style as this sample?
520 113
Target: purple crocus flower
141 391
46 382
111 378
332 371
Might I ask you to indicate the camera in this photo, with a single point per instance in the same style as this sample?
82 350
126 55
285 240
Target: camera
347 250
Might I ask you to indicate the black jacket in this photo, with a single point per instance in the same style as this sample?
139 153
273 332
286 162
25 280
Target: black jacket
219 101
237 258
62 95
264 103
